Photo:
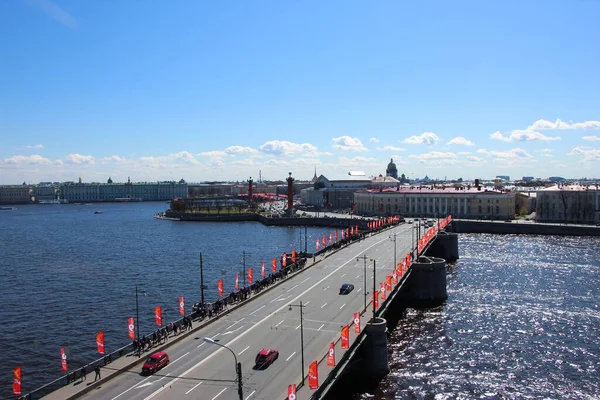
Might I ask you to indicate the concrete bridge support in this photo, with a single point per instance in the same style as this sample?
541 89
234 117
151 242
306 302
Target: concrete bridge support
427 282
444 246
375 349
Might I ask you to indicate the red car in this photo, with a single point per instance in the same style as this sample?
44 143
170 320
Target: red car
266 357
155 362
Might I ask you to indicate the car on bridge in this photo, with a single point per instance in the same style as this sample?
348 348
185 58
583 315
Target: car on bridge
346 288
155 362
266 357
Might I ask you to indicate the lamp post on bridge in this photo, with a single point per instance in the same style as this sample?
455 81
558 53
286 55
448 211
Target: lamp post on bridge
393 239
301 336
364 257
238 366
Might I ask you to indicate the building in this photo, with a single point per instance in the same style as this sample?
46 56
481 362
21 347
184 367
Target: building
432 201
569 203
336 191
15 194
130 191
504 177
391 170
528 178
44 191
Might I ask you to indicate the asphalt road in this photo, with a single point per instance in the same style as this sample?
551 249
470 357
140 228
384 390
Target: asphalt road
201 370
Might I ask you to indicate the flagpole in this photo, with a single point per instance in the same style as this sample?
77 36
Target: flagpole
137 319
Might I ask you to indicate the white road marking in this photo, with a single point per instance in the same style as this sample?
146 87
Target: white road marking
144 385
297 327
357 276
320 327
205 359
305 280
250 395
306 303
342 306
293 288
133 387
218 394
323 305
279 323
258 309
292 355
359 289
275 299
201 344
231 326
233 331
199 383
341 276
240 353
171 363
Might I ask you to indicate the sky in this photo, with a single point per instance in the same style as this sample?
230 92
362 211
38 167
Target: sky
212 90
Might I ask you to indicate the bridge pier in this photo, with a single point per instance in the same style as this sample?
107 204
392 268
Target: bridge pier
444 246
375 349
426 286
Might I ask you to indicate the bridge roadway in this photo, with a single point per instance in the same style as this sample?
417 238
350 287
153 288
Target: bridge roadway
200 370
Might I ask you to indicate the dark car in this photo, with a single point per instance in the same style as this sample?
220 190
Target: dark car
266 357
346 288
155 362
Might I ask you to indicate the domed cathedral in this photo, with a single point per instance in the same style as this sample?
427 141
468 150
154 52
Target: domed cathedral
392 170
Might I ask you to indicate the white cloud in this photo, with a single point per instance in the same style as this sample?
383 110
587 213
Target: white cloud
475 161
461 141
522 136
558 124
233 150
389 148
80 159
213 154
186 156
464 153
374 140
247 162
34 159
427 138
513 154
115 158
348 143
35 146
434 155
284 148
588 153
591 138
357 162
53 11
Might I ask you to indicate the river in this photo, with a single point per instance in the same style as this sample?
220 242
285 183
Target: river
521 321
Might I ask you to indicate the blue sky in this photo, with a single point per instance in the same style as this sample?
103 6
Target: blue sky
209 90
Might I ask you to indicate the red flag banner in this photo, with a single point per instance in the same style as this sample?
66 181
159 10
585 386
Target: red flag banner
356 322
158 315
63 361
394 277
317 245
336 236
294 255
237 281
131 328
291 392
331 355
388 283
313 376
100 342
376 299
345 337
181 306
324 241
262 270
249 275
284 260
17 381
274 264
382 290
330 239
220 287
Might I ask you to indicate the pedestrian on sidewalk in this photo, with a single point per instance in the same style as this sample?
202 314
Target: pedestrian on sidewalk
82 374
97 370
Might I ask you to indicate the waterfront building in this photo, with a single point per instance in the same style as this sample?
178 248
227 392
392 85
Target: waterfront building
129 191
336 191
432 201
504 177
15 194
569 203
45 191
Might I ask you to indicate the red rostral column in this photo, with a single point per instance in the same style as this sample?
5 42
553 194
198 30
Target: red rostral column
290 192
250 190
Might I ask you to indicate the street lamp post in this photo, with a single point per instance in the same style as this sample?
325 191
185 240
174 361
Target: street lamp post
374 289
393 239
301 336
364 257
137 319
238 366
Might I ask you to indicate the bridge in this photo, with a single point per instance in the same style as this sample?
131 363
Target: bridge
300 317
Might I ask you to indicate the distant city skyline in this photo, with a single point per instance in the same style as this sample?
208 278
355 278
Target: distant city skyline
213 92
